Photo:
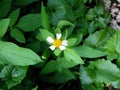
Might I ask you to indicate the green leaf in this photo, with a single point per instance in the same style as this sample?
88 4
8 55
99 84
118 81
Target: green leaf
98 38
85 79
103 71
56 10
17 35
72 42
14 16
100 22
85 51
63 63
4 23
49 67
57 52
44 18
63 23
13 75
59 77
24 2
35 88
5 6
29 22
43 34
112 46
116 84
91 14
10 53
71 55
91 27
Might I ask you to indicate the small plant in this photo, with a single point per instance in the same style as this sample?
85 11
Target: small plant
57 45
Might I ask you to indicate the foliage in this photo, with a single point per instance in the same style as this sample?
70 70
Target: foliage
89 61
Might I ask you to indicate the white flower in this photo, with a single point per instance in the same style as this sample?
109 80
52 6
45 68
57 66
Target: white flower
57 43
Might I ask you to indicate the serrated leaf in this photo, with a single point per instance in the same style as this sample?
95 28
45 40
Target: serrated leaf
4 23
29 22
85 51
103 71
10 53
5 6
97 39
116 84
17 35
44 18
13 75
14 16
85 79
112 46
71 55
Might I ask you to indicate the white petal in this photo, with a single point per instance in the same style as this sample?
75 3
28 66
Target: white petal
62 47
52 47
50 39
58 36
65 43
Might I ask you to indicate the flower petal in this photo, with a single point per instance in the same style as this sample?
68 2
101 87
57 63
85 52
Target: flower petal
50 39
65 43
62 47
58 36
52 47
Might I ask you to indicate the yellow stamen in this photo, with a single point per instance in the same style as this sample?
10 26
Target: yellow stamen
57 43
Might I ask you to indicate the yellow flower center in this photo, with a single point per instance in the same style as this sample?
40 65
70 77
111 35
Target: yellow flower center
57 43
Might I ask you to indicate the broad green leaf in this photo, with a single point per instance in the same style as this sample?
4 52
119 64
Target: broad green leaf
13 75
24 2
116 84
34 45
5 6
98 38
56 10
49 67
88 52
71 55
29 22
57 52
10 53
4 23
59 77
14 16
72 42
63 23
103 71
17 35
63 63
43 34
44 18
87 82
